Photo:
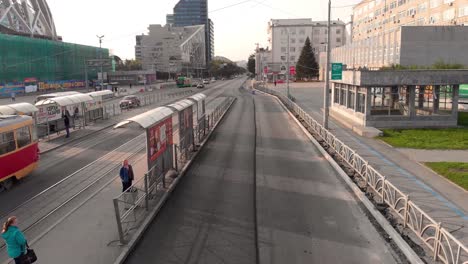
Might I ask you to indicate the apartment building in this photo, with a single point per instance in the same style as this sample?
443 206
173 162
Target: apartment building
297 31
378 37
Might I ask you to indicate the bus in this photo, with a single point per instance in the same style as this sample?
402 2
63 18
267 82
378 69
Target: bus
184 82
19 150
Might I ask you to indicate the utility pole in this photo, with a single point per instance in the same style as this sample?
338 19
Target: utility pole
287 70
326 92
100 59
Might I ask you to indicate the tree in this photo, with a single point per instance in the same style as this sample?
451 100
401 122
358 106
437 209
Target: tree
307 66
251 64
226 70
128 65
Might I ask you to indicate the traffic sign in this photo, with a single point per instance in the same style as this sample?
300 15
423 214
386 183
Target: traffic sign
337 71
99 63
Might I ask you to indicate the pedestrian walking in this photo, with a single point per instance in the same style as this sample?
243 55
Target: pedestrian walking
66 121
275 83
15 241
126 175
13 96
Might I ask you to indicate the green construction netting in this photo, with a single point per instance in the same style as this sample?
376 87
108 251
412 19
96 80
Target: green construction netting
46 60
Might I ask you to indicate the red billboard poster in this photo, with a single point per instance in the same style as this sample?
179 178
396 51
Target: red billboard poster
292 70
160 137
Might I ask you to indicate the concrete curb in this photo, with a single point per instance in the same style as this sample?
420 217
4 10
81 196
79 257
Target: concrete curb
141 230
399 241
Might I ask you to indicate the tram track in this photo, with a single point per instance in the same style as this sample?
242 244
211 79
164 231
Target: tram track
39 209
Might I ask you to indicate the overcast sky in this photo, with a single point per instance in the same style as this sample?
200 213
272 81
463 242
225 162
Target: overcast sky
237 28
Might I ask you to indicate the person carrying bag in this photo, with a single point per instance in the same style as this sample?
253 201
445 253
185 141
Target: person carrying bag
17 246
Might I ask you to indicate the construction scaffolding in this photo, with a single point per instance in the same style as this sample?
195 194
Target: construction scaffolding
44 60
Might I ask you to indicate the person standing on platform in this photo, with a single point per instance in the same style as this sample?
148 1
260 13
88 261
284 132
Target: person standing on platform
126 175
66 121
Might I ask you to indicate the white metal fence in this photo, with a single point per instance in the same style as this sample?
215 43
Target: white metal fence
442 244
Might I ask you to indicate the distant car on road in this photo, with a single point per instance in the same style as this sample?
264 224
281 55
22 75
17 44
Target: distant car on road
200 86
129 101
206 81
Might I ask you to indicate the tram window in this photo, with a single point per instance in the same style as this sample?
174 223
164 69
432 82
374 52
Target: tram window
23 137
7 142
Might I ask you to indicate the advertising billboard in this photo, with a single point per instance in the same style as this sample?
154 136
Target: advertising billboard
159 139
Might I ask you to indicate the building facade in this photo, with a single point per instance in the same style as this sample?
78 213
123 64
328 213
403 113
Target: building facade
263 63
170 19
378 37
172 49
297 31
195 12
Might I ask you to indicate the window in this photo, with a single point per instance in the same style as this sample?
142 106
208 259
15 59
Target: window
283 49
283 58
401 2
463 11
302 32
434 18
23 136
293 40
293 58
7 142
393 5
434 3
411 11
338 39
301 40
422 7
283 68
292 49
338 31
448 1
378 12
449 14
316 31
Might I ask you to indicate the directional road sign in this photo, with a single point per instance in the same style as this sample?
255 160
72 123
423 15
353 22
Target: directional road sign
337 71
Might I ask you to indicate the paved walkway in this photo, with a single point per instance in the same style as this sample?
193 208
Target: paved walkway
439 197
422 155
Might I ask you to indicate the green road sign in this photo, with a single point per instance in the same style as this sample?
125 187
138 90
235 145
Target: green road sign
337 71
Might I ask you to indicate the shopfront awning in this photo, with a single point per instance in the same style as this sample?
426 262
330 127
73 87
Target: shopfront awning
18 109
147 119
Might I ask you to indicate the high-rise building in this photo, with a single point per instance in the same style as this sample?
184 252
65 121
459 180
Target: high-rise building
170 19
172 49
195 12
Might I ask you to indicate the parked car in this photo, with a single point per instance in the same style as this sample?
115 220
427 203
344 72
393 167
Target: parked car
206 81
200 86
129 101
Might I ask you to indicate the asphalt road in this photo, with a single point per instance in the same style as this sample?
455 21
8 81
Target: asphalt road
259 171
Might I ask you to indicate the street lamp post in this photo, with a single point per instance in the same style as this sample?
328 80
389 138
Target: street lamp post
287 69
326 92
100 59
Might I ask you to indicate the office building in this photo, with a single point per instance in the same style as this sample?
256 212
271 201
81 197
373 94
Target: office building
172 49
170 19
406 32
299 30
195 12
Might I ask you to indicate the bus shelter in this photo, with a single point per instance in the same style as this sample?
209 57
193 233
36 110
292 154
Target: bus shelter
19 109
199 113
95 108
182 123
52 110
159 140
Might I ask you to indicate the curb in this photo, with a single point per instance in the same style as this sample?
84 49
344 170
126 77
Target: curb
140 231
395 236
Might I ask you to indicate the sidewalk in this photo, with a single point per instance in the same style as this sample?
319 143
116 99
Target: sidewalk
438 197
423 155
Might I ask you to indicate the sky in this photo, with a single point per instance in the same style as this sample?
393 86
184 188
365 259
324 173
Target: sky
238 24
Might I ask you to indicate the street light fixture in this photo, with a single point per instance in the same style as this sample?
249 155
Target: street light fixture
100 58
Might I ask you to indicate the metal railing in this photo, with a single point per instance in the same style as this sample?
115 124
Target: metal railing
131 207
442 244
